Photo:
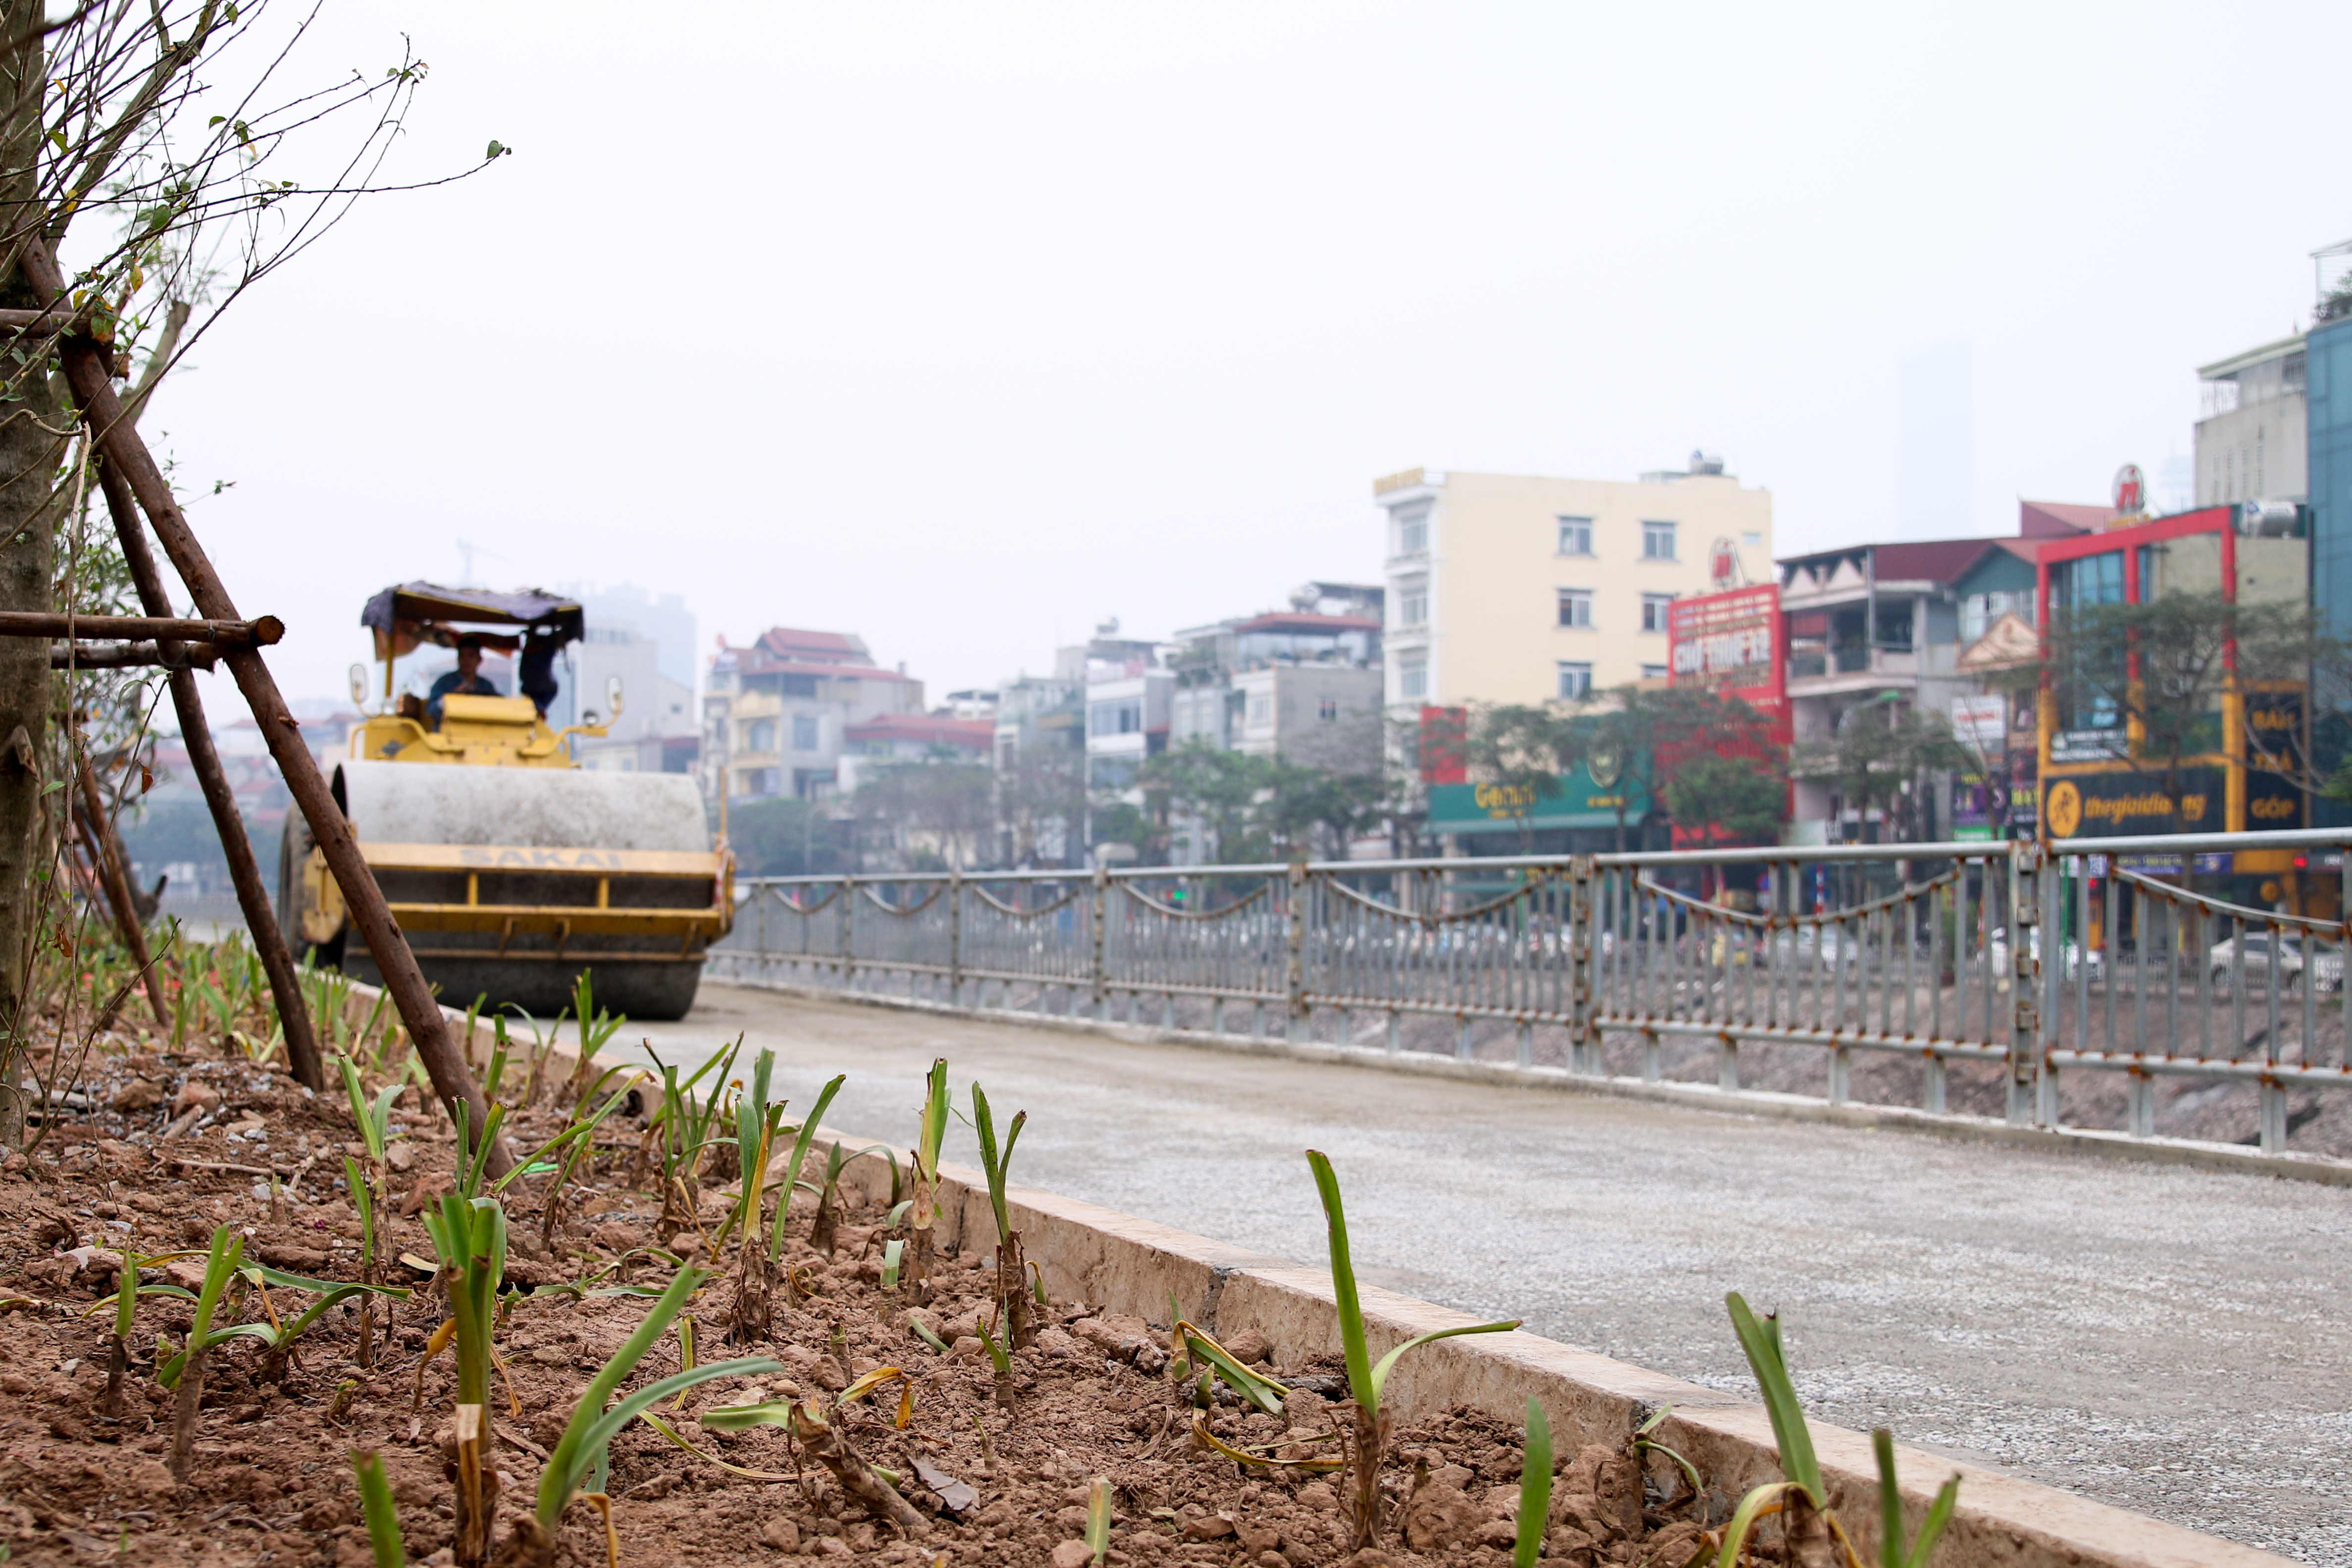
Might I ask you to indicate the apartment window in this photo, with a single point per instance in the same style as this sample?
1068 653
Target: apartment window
1412 678
1575 680
1576 607
1657 542
760 736
1575 536
1328 708
806 734
1412 529
1412 604
1115 718
1261 710
1980 610
1654 673
1753 541
1654 611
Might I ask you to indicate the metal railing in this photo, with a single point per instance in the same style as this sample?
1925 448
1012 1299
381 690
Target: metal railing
1638 965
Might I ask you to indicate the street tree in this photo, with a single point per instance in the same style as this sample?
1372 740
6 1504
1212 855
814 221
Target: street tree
2143 685
164 159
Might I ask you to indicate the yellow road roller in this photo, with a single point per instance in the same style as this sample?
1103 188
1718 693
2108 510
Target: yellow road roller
510 868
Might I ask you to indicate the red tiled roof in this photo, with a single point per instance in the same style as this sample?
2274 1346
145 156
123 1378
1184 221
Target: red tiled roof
788 642
1933 561
1909 561
2058 520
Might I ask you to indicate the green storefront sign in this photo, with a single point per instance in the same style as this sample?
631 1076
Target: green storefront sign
1579 800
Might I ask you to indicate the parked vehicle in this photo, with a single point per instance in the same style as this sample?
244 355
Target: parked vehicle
2325 967
2072 954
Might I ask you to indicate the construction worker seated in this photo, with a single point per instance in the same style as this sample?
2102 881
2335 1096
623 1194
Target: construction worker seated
465 680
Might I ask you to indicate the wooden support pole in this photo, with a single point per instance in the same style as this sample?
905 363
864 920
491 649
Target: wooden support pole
218 634
129 656
102 411
302 1056
92 378
115 870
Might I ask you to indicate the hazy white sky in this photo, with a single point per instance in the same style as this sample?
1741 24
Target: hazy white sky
963 326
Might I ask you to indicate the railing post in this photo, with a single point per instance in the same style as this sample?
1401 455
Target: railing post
955 936
1294 977
2053 880
849 934
1098 918
1582 1042
2024 992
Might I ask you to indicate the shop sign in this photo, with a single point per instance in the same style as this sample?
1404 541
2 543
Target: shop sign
2119 805
1732 644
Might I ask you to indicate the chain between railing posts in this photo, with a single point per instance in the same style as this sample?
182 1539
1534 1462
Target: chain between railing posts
1098 933
1294 975
955 936
1582 1048
2024 995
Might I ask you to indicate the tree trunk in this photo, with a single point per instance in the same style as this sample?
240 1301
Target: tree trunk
27 539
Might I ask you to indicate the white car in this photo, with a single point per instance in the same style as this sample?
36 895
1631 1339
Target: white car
2326 966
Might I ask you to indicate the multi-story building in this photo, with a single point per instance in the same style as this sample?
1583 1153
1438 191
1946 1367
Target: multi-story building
776 714
1281 680
1510 588
893 739
2250 429
1920 625
1128 709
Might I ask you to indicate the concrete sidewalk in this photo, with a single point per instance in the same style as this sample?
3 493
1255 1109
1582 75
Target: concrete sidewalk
2168 1340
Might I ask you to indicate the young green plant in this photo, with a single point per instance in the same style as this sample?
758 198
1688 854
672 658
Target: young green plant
1812 1534
374 1119
279 1338
683 1127
125 1302
1534 1488
801 1139
1365 1378
756 1125
930 1132
579 1452
597 1027
1012 1287
377 1508
1098 1519
220 1266
581 1133
823 1228
470 1237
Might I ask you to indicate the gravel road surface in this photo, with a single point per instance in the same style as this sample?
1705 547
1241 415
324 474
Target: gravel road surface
2173 1342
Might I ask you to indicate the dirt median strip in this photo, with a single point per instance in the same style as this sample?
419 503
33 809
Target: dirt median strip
1132 1266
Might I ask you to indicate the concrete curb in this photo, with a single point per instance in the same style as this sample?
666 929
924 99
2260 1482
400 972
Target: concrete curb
2090 1142
1128 1264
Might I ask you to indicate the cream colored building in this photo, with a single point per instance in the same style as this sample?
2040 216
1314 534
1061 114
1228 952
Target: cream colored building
1510 588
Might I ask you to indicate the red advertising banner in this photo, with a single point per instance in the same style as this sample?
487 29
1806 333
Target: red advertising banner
1734 644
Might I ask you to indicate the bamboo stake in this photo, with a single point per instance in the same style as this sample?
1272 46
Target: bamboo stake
244 874
112 869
